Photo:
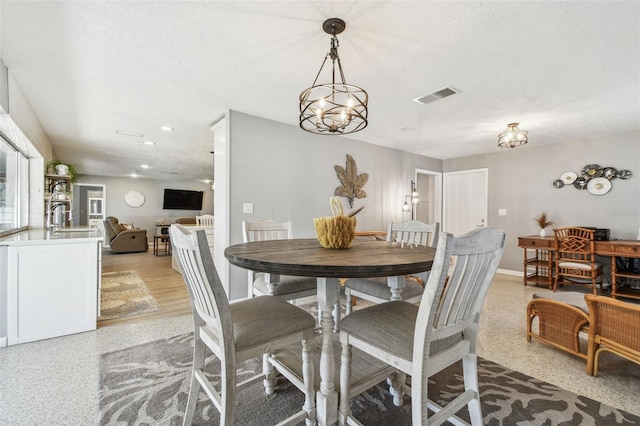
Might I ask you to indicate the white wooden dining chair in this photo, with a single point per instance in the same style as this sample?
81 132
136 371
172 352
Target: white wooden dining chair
377 290
422 340
204 220
289 287
237 331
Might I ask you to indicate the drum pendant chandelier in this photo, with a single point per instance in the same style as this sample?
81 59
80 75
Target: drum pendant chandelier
335 107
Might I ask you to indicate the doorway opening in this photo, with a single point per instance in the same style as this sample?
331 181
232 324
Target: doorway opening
90 206
429 187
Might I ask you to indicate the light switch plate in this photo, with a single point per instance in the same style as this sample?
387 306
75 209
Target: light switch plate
247 207
502 212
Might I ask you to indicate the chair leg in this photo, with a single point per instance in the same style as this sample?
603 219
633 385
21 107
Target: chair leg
347 293
396 383
530 317
194 387
307 374
592 347
269 374
470 372
227 393
345 384
419 399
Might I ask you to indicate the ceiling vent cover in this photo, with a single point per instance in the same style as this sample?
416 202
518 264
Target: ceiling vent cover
437 95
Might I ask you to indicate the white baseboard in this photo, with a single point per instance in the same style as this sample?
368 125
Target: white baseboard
3 342
509 272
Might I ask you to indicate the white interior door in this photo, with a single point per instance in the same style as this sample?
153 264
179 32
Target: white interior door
465 200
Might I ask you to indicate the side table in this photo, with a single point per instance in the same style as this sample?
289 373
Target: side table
161 242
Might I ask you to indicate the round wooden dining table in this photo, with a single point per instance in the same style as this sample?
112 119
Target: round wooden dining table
305 257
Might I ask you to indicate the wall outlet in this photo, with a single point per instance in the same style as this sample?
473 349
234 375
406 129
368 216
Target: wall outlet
247 207
502 212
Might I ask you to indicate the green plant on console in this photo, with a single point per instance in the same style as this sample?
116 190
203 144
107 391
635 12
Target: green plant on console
51 168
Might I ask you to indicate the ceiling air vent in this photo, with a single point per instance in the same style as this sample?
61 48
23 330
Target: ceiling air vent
439 94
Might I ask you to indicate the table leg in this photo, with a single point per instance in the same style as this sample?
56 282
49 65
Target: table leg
327 397
269 381
396 284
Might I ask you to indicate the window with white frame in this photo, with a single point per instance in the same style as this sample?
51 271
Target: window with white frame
14 178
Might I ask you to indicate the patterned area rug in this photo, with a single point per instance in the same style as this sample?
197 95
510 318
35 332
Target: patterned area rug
125 294
148 384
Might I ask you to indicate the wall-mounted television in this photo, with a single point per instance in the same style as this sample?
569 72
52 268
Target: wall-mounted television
182 199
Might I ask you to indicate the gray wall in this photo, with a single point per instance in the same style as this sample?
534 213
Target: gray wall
288 174
520 181
153 190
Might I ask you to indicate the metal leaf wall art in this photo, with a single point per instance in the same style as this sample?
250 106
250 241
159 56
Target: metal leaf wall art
352 182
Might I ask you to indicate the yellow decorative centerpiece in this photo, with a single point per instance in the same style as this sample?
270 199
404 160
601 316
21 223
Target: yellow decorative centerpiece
337 231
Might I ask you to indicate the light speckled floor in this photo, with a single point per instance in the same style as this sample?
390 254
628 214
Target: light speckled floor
55 381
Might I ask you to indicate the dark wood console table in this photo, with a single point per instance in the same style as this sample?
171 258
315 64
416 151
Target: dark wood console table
539 268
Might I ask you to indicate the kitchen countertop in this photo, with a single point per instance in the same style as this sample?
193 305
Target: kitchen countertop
44 236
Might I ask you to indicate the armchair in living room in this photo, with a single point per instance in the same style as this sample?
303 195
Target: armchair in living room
124 240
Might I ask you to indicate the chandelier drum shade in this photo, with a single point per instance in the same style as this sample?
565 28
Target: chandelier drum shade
335 107
512 137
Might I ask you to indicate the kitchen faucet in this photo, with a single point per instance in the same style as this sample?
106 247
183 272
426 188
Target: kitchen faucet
56 200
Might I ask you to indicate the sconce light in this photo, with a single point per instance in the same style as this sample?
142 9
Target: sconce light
411 201
406 207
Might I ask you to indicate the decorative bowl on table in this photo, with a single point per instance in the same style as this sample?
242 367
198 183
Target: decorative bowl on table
335 232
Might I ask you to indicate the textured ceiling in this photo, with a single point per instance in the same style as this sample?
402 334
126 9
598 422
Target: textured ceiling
564 70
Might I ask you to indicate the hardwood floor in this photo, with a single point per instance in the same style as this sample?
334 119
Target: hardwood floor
166 285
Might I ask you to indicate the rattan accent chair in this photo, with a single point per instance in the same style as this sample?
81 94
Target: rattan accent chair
575 258
237 331
376 290
561 317
422 340
614 326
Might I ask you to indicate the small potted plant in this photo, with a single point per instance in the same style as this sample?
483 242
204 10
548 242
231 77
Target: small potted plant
57 167
543 222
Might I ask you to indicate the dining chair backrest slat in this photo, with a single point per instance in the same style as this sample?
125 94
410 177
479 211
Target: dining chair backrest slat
208 298
457 286
414 232
204 220
266 230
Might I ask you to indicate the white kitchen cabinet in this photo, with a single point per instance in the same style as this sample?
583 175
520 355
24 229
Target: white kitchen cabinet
51 286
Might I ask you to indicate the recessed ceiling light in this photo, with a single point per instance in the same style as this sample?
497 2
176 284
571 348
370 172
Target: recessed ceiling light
144 166
166 128
149 143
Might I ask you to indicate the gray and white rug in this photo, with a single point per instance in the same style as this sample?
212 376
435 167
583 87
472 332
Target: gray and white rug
148 385
124 294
